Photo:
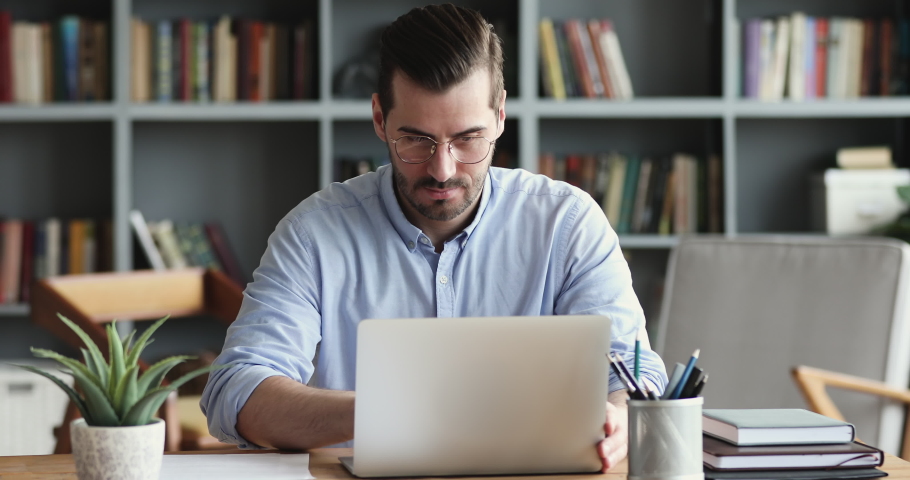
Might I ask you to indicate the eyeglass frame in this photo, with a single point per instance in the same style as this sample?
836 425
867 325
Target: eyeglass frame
436 146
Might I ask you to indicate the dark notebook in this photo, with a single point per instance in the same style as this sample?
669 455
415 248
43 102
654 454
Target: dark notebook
721 455
844 473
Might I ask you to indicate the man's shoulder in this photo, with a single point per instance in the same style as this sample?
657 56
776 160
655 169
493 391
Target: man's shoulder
516 181
340 199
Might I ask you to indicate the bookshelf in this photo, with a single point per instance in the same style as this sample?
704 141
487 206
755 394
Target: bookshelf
246 164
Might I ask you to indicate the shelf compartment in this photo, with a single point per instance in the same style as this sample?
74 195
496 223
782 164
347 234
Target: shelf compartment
245 175
56 169
777 156
638 108
671 49
357 26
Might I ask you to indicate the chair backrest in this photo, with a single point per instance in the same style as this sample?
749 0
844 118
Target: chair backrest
757 306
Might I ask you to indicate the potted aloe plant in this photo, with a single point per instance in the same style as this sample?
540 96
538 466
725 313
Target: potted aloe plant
118 435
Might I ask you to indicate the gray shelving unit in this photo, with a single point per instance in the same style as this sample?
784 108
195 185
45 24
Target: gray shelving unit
246 165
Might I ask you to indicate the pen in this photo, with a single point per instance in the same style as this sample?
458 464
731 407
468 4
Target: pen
694 378
628 375
632 388
638 355
685 376
700 385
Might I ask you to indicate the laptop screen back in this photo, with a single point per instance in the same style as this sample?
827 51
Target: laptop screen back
491 395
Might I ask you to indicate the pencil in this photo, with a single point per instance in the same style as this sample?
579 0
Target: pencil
685 376
638 356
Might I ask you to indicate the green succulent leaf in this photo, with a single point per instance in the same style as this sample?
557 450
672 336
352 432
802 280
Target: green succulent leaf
100 371
97 356
142 412
77 400
143 341
115 349
80 372
127 344
155 374
125 395
904 192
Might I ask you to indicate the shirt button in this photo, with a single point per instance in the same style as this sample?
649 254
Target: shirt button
464 243
411 245
425 240
443 279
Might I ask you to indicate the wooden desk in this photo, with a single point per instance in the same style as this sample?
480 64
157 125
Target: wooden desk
323 465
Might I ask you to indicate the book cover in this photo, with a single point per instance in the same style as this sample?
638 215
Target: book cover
224 253
630 183
47 62
781 51
552 70
76 246
886 34
803 474
282 77
797 73
222 68
594 31
164 61
255 65
766 59
616 63
614 194
821 57
715 194
810 83
721 455
573 37
11 261
569 76
6 57
775 426
659 190
201 70
86 57
53 245
584 37
144 236
166 240
636 223
752 61
833 83
867 56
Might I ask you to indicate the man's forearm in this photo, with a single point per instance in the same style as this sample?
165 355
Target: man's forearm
282 413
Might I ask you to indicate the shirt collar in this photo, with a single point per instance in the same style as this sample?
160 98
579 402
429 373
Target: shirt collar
410 234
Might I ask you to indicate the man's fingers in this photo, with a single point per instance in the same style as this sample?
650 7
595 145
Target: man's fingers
611 451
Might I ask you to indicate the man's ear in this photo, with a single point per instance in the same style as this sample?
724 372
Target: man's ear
502 115
378 119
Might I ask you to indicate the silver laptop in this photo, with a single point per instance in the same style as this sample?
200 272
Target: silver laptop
477 396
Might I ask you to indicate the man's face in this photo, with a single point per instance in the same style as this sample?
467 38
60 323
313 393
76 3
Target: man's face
440 189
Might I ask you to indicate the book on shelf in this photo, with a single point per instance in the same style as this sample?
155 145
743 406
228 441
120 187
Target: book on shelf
224 60
36 249
61 60
773 426
167 244
582 58
647 195
721 455
874 157
799 56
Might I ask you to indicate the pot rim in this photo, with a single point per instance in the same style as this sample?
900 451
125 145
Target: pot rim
80 423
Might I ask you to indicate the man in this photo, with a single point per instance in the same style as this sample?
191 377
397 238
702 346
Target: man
438 233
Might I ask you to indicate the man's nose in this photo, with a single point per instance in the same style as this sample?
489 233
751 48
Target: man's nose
441 166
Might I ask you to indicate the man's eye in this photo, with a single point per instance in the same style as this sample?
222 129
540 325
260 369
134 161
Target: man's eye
467 139
418 140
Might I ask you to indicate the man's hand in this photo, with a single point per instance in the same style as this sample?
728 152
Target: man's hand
615 446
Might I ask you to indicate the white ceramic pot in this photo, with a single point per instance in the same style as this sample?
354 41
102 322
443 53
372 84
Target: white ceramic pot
121 453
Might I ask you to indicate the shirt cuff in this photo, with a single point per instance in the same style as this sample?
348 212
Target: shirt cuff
226 395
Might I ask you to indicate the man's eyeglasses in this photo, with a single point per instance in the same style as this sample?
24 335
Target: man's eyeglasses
419 149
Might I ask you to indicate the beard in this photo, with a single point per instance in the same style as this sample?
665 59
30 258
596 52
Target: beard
439 210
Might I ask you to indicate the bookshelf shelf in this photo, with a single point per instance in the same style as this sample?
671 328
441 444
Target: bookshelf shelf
857 108
14 310
638 108
308 110
58 113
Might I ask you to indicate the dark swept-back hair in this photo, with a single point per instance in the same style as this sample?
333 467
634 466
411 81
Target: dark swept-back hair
438 47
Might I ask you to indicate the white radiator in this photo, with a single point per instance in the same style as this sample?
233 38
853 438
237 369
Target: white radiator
30 407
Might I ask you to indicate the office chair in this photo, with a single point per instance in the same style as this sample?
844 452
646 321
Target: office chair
758 305
812 383
90 300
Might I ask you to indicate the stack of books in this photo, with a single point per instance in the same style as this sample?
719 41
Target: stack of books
784 443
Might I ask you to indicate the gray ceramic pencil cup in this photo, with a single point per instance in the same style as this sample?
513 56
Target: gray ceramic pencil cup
665 439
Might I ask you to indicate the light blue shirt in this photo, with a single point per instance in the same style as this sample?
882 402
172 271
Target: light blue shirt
347 253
